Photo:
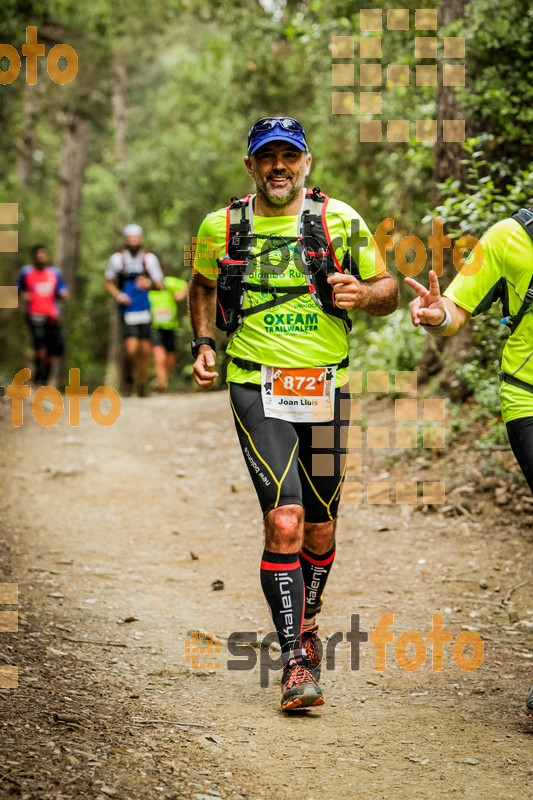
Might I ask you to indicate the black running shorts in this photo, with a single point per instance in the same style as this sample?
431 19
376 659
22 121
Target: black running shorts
46 334
293 463
161 337
137 331
520 432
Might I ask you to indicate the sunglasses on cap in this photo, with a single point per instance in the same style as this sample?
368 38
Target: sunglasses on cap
291 126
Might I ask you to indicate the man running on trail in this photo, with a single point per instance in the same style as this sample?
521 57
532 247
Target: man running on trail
282 290
500 268
41 286
129 275
164 308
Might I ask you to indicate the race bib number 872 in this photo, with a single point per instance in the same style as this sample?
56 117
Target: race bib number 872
304 394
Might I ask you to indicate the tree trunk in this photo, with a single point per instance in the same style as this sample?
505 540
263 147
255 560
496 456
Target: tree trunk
440 355
448 154
120 122
27 144
71 180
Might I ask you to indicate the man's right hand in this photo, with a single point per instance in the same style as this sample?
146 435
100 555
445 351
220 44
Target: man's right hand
123 299
204 366
428 308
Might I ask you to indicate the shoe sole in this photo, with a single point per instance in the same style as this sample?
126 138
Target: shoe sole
306 700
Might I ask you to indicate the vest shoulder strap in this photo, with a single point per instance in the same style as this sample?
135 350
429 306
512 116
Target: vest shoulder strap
525 218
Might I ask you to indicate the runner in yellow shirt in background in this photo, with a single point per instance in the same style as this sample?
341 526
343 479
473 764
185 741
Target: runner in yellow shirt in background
164 310
292 261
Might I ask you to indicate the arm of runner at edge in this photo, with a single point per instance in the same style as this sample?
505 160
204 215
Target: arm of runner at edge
202 309
429 307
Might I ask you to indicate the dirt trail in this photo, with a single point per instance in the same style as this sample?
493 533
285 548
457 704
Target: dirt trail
97 527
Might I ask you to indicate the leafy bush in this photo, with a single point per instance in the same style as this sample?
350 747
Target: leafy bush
483 203
394 345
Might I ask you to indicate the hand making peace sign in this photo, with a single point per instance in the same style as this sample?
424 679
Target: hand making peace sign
428 308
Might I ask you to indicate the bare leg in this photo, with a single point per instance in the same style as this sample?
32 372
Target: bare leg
160 368
131 346
144 360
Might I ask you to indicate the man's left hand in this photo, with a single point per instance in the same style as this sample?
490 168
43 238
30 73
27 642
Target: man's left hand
143 282
349 292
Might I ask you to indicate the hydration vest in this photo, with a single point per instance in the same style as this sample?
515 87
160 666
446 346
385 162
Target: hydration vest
124 275
316 253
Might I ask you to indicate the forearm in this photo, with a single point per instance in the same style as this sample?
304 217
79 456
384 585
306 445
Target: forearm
202 306
380 297
111 288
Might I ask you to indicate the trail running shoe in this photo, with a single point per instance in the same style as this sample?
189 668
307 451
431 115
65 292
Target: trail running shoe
298 688
313 650
528 711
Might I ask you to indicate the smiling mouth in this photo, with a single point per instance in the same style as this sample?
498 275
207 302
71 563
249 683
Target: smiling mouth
278 180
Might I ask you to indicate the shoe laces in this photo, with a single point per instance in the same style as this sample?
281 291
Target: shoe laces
310 645
298 675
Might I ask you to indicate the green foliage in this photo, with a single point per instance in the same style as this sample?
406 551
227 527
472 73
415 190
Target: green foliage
484 200
499 92
394 345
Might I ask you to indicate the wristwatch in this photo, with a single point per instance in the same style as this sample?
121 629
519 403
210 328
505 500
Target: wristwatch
195 344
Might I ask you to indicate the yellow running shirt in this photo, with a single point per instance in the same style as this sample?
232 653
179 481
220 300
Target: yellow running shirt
504 274
296 333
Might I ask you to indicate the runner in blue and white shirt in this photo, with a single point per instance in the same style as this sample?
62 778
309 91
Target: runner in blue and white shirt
130 274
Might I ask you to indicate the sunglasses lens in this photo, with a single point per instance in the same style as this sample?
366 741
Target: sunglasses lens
264 125
290 124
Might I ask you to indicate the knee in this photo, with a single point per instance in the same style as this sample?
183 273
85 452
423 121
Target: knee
319 537
284 529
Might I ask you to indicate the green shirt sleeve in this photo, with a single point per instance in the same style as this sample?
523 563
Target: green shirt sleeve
210 244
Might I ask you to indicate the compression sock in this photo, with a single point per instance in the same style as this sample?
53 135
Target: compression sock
283 587
315 571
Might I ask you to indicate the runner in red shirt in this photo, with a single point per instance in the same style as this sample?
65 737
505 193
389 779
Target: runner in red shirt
42 286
